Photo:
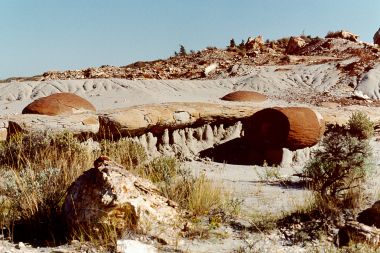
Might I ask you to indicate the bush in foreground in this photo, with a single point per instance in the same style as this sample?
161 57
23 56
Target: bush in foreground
340 167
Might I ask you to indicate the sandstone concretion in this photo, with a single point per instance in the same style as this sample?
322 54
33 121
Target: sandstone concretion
155 118
110 196
290 127
59 104
244 96
78 124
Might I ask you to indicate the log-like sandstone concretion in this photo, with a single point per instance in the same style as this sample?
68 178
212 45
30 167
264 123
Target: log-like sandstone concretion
290 127
244 96
156 118
59 104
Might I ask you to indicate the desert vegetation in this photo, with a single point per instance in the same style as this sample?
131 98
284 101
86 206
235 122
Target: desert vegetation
36 171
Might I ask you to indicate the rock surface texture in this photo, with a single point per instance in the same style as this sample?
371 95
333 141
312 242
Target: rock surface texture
343 35
59 104
109 195
139 120
244 96
295 44
290 127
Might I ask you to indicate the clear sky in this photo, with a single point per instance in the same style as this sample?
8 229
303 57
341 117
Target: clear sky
41 35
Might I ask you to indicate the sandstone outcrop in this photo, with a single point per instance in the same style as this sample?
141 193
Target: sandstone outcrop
254 43
343 35
376 37
112 196
138 120
78 124
59 104
244 96
295 44
290 127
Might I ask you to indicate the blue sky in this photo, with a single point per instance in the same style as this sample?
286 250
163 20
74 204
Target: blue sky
41 35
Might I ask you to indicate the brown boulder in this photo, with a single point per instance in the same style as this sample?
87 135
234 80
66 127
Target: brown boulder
294 44
376 37
244 96
291 127
59 104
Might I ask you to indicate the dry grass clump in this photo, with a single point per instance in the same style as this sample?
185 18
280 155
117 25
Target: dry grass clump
125 152
36 171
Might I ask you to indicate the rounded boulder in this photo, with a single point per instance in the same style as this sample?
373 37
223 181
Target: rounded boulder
291 127
59 104
244 96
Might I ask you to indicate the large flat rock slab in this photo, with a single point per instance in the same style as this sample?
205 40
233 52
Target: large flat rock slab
156 118
28 123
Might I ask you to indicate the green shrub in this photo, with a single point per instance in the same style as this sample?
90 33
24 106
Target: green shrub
360 125
340 167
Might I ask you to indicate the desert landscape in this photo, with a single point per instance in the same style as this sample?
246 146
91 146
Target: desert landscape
262 146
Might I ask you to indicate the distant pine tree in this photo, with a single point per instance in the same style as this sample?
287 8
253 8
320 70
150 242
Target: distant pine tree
232 43
182 50
242 44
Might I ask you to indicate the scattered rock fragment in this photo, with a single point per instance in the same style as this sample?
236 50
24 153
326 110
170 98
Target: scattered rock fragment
295 44
343 35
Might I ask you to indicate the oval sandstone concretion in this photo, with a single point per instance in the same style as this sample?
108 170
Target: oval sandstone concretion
244 96
59 104
288 127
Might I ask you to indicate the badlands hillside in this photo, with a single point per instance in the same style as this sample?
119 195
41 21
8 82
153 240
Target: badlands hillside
246 119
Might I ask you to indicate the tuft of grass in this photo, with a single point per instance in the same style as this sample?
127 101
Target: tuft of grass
125 152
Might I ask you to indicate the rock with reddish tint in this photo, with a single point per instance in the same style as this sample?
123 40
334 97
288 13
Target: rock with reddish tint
295 44
254 43
112 197
59 104
244 96
289 127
